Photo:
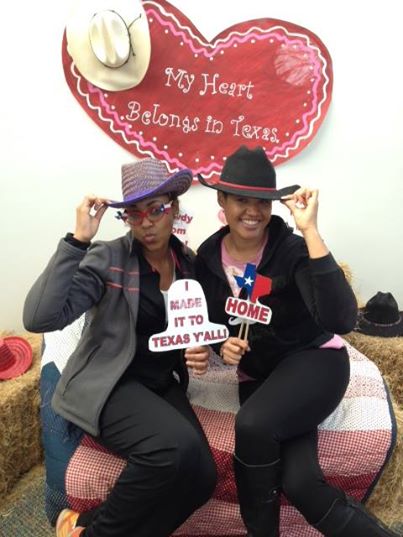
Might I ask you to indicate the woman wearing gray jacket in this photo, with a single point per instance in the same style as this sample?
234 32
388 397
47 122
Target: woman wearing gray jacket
133 401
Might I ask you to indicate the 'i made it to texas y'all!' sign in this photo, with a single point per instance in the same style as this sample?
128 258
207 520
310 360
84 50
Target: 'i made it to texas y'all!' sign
188 322
260 82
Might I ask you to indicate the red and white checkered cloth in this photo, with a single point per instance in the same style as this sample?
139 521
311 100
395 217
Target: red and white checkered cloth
354 442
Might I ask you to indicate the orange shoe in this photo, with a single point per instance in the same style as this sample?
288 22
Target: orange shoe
76 532
66 522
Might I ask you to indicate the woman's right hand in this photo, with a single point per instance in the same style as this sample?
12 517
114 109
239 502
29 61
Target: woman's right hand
88 216
233 349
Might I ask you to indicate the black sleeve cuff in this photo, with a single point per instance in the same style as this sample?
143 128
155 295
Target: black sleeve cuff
75 242
322 265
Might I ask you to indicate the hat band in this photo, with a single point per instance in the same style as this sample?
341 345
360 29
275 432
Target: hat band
246 187
383 324
101 39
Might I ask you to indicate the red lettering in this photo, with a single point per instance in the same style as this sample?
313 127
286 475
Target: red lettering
230 306
264 315
186 303
251 311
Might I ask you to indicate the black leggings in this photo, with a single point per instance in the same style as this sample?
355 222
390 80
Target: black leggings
170 471
279 416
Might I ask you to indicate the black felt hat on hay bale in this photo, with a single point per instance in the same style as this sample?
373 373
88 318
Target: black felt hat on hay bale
380 317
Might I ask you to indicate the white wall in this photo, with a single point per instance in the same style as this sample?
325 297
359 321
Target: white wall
52 153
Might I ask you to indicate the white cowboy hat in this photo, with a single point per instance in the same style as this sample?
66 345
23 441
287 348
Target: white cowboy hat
109 42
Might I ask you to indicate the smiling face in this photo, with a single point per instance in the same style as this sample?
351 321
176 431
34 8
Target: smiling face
153 234
246 217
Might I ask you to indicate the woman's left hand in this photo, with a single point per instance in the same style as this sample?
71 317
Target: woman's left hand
303 205
197 358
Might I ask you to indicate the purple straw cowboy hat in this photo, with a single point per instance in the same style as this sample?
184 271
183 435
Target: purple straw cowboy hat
249 173
151 177
380 317
15 357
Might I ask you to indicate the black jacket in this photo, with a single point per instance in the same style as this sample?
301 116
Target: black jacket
310 298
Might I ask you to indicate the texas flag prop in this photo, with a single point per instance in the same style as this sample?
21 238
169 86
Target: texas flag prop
255 284
250 310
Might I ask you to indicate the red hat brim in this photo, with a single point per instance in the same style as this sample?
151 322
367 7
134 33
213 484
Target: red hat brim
22 352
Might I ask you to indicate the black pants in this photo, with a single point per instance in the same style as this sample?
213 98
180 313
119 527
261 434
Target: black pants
279 416
170 471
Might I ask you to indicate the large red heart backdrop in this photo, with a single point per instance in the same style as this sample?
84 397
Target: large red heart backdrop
261 82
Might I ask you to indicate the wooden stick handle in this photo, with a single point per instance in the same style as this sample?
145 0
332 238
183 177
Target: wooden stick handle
243 330
241 327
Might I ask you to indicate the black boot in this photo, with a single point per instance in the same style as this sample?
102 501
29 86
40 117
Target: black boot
259 497
348 518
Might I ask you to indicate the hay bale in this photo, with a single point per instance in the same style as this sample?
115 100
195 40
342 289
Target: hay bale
387 353
20 439
348 273
386 501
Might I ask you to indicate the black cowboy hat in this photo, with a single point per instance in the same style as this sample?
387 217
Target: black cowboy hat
380 317
249 173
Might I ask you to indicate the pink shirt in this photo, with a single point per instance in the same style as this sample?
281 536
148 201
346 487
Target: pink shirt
233 267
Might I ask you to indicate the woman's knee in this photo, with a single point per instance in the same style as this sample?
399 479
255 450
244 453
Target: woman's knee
248 427
168 456
175 449
191 456
255 437
209 472
197 466
205 480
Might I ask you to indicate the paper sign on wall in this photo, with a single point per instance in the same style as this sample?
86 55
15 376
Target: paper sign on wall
261 82
188 322
182 222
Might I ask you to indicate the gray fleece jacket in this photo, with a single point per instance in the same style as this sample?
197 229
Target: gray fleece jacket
103 280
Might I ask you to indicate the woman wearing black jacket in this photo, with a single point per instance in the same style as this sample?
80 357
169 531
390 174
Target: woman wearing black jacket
294 371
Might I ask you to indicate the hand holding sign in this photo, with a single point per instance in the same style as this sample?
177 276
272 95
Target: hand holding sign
197 359
233 349
188 323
